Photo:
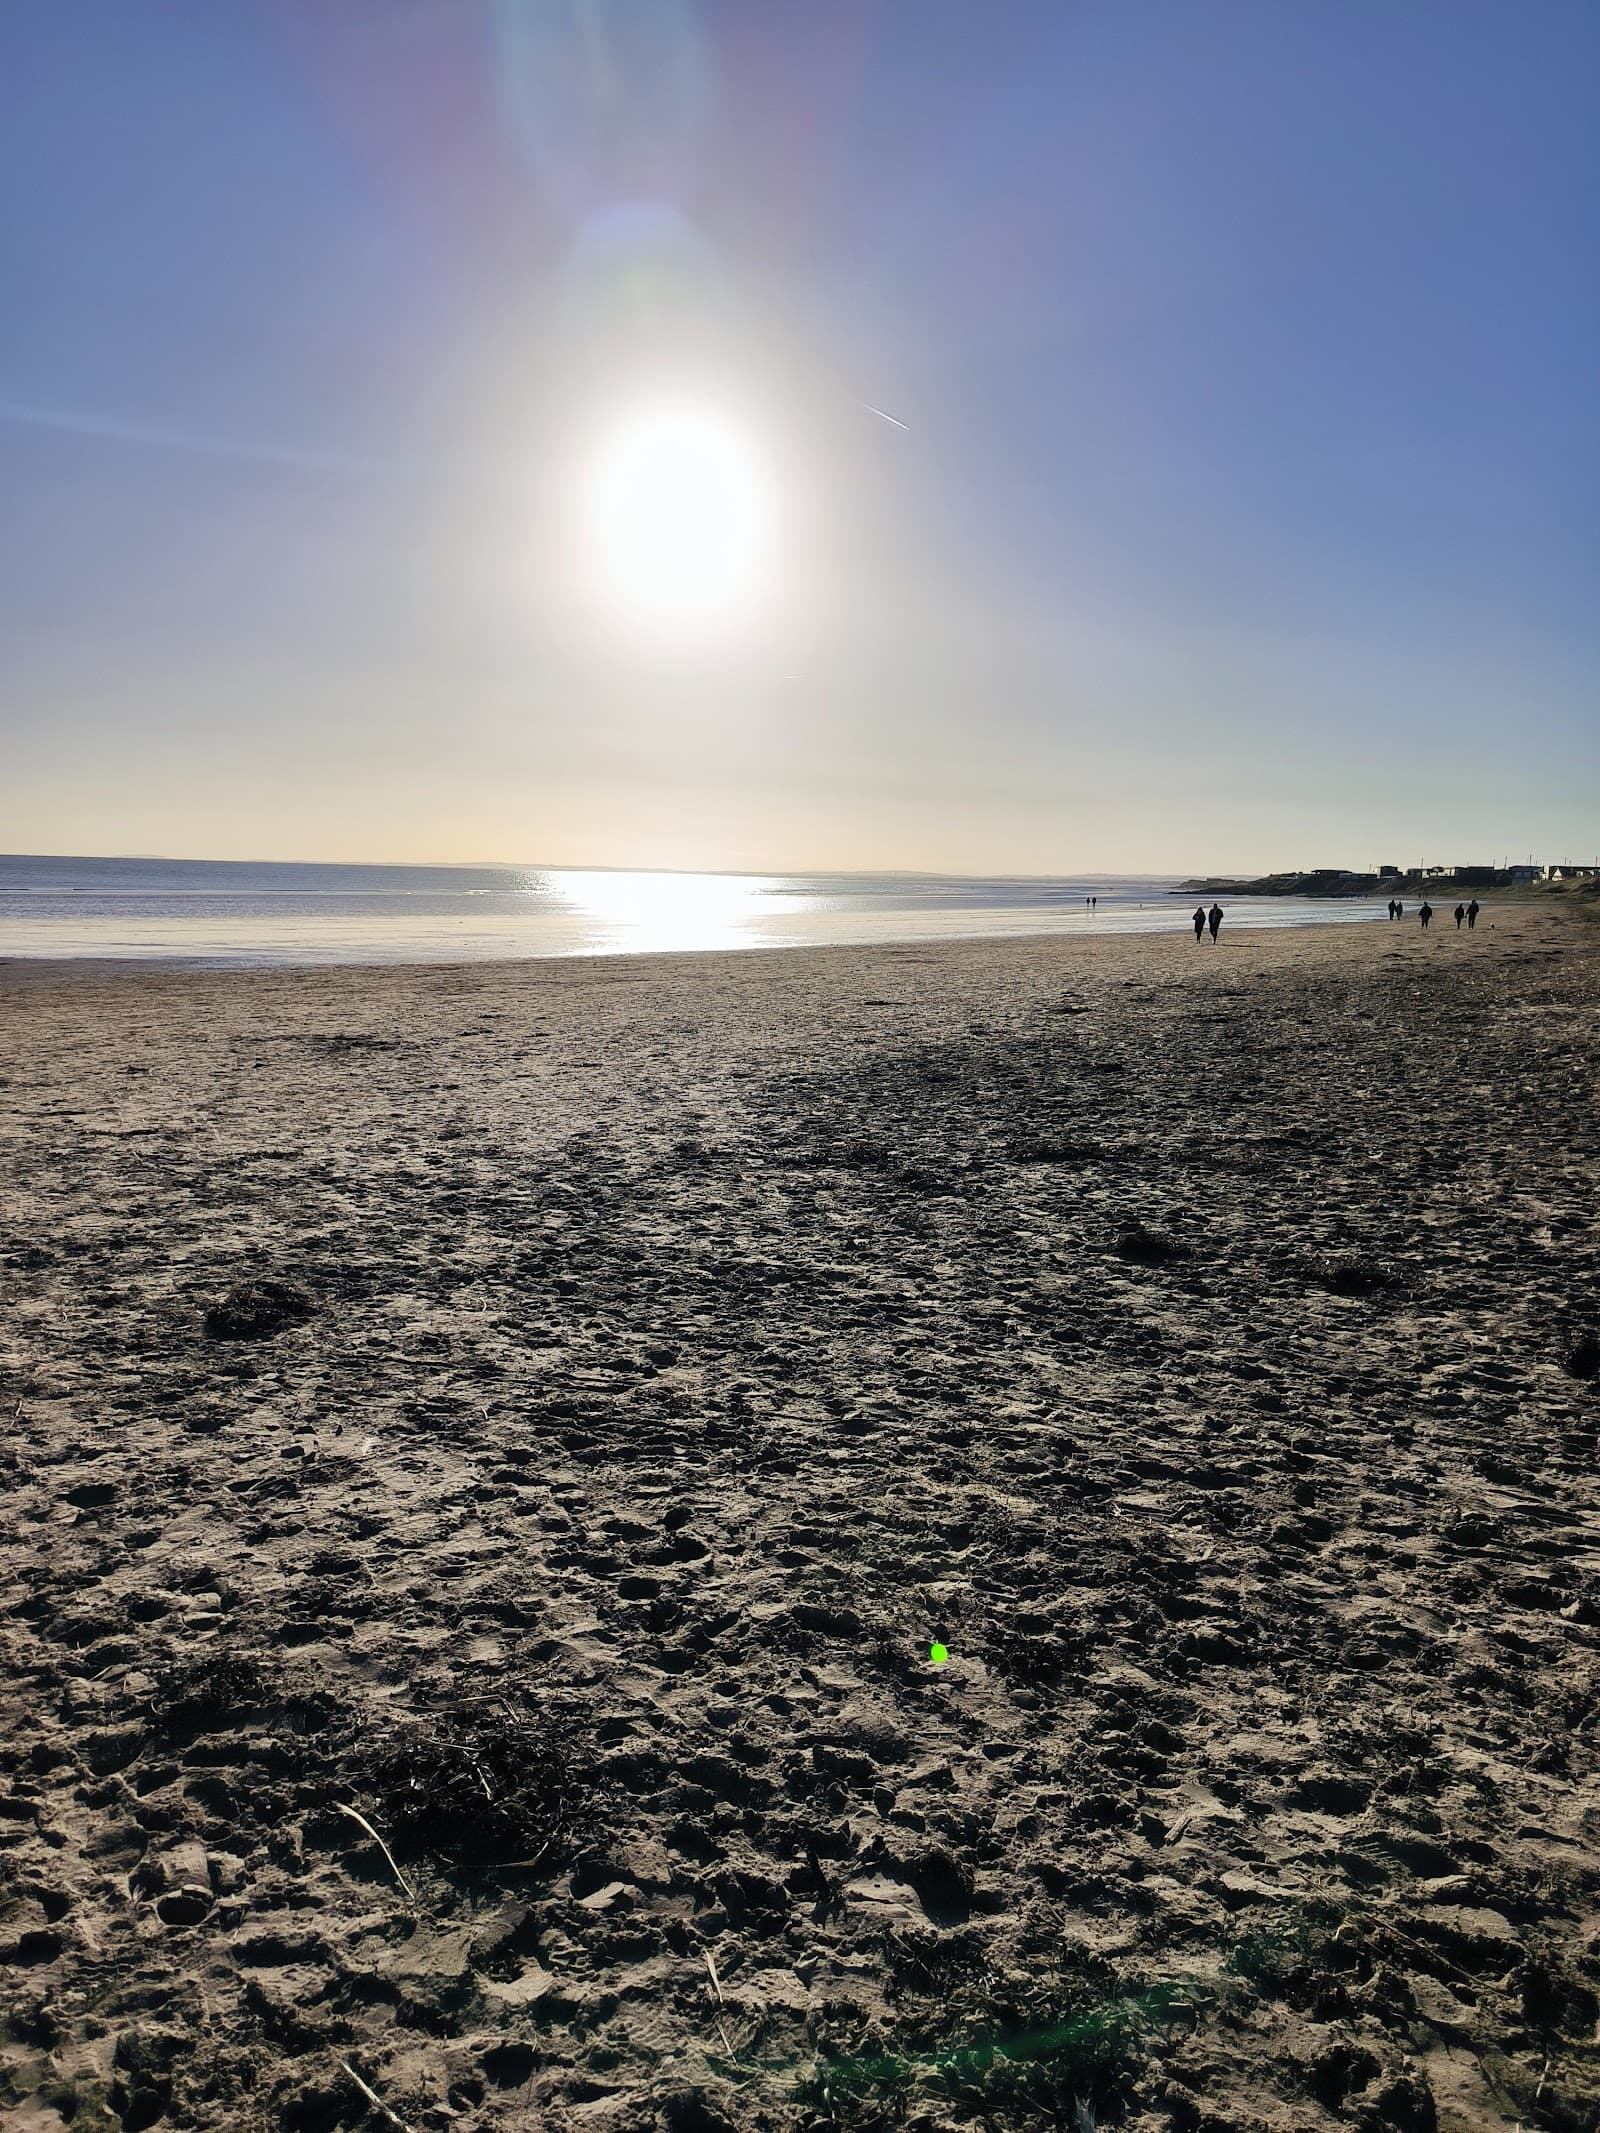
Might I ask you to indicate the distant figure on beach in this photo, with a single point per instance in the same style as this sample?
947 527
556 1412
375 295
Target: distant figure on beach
1461 912
1472 914
1094 903
1391 907
1399 908
1214 921
1425 913
1200 922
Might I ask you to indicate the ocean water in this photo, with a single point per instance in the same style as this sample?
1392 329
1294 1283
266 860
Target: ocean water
238 913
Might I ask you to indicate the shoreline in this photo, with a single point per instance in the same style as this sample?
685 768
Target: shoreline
61 966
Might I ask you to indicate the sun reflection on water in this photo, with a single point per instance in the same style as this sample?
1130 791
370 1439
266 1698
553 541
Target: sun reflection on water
665 911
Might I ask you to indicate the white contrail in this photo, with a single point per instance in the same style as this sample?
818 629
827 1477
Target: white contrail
158 437
883 416
112 429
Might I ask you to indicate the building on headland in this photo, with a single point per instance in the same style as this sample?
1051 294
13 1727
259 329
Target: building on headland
1475 877
1436 880
1506 877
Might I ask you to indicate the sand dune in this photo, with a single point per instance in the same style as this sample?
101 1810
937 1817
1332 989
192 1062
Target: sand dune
541 1417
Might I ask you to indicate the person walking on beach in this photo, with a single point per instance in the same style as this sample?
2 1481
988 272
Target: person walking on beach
1391 907
1425 913
1461 912
1214 921
1472 915
1399 908
1199 921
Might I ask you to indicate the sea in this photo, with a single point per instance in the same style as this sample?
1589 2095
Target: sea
248 914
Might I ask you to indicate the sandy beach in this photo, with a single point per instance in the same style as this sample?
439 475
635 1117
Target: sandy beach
489 1452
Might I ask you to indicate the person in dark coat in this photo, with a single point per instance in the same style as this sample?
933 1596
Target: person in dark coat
1214 921
1472 914
1200 922
1425 913
1461 912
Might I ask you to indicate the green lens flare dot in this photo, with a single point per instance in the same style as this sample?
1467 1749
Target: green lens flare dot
938 1654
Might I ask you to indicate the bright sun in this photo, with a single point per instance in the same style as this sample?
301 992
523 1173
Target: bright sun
679 511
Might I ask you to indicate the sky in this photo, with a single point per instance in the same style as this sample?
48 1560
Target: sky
1246 511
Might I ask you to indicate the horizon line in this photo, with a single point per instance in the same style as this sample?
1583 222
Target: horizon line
540 866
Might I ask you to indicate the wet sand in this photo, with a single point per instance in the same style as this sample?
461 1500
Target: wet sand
549 1411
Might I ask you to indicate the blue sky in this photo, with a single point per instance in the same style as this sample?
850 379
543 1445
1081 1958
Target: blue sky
1248 512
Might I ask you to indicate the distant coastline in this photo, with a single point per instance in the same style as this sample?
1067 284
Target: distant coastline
1333 882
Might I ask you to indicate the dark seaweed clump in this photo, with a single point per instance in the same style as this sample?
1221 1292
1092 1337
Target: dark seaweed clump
256 1310
1146 1247
490 1791
208 1693
1356 1274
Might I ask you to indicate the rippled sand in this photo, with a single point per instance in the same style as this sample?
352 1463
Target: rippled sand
667 1352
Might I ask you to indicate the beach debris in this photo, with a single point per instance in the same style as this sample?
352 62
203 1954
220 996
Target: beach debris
1355 1274
1146 1247
354 1814
486 1790
721 1999
257 1310
209 1692
1581 1357
389 2117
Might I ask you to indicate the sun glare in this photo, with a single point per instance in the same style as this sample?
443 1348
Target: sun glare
643 911
680 508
